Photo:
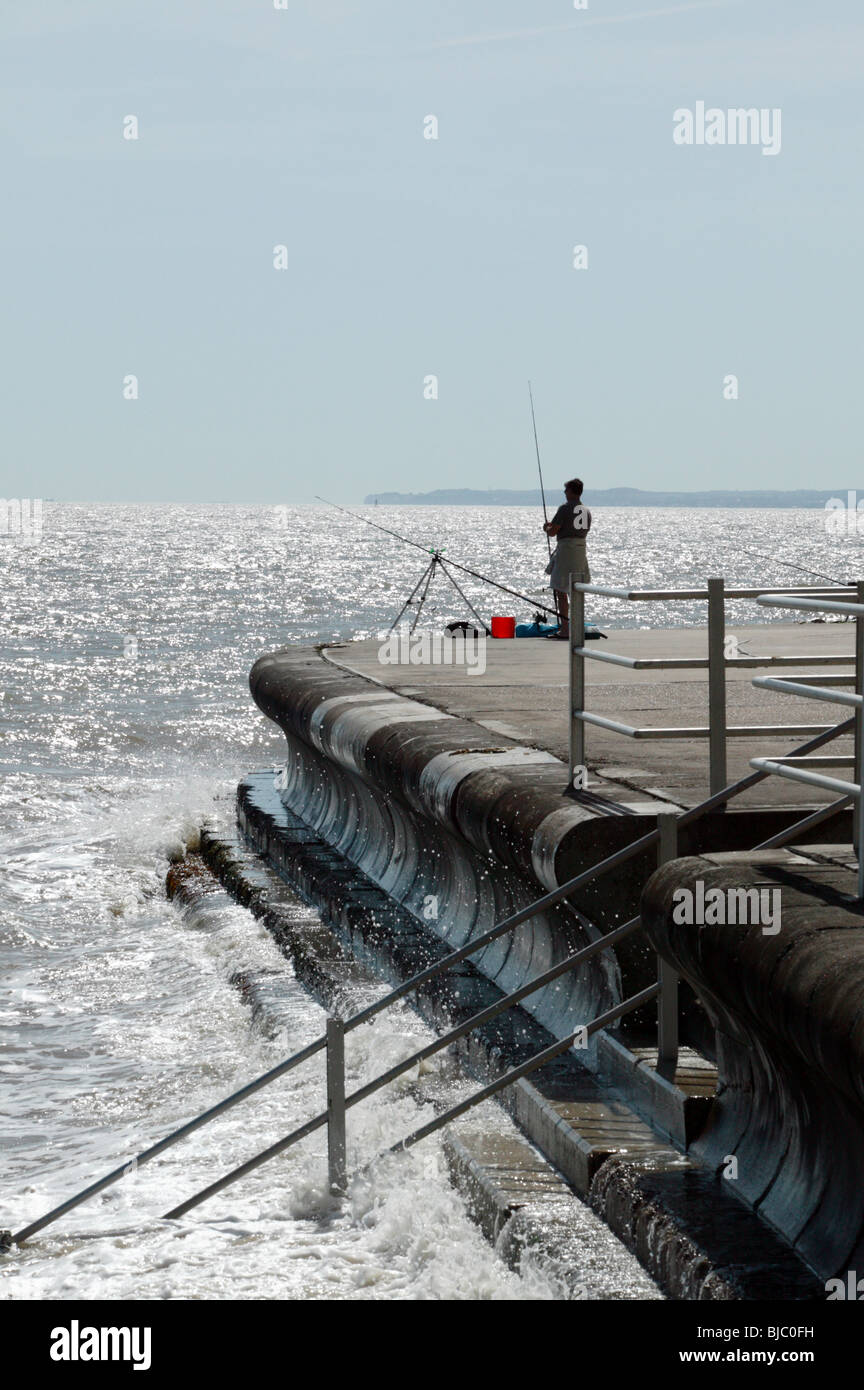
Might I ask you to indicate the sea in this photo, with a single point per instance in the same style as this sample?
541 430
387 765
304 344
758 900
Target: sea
126 636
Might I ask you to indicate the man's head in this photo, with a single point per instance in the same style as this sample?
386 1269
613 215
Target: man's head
573 489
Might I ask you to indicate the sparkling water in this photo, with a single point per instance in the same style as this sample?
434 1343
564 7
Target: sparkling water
127 637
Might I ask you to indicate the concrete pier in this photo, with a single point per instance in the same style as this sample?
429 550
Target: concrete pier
523 695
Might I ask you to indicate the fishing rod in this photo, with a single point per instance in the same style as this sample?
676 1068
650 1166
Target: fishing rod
789 565
543 499
539 469
425 548
534 603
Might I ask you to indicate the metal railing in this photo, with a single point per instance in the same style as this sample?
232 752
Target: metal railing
665 990
716 663
799 769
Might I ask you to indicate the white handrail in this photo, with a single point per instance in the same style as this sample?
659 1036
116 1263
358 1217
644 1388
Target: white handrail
792 769
811 605
810 597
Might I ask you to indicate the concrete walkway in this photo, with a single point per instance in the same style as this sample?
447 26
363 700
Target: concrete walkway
523 695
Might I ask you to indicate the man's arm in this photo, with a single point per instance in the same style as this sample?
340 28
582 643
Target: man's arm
554 526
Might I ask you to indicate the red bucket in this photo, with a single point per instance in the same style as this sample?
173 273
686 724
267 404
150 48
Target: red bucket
503 627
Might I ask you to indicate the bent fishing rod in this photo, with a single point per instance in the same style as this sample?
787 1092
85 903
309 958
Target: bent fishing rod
534 603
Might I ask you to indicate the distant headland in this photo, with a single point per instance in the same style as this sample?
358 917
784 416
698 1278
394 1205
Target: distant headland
606 497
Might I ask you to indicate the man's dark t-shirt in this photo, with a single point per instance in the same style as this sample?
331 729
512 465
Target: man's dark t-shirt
566 515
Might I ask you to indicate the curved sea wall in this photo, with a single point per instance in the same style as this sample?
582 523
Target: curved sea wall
463 827
417 800
788 1007
457 825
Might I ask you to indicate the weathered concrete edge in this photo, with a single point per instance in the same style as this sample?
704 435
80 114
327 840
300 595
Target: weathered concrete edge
504 1211
433 762
678 1115
637 1204
445 768
789 1017
493 1208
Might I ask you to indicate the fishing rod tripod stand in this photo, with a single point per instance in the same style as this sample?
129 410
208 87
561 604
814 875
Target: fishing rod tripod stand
436 564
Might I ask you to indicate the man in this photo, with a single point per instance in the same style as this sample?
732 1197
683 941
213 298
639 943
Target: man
570 525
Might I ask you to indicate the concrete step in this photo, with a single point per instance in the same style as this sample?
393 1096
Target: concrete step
527 1211
676 1107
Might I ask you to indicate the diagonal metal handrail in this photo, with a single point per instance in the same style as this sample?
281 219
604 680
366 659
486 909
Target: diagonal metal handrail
437 1045
318 1121
538 1060
550 899
146 1156
791 833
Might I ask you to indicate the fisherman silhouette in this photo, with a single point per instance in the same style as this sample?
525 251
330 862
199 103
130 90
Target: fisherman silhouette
570 526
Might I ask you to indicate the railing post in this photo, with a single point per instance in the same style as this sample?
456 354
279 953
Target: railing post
577 683
858 817
336 1148
667 1003
716 686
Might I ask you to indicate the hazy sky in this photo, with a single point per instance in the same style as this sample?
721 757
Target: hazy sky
409 257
